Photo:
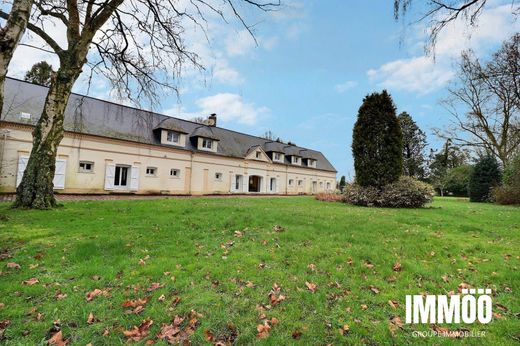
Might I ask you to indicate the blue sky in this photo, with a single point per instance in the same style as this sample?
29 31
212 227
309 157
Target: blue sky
314 63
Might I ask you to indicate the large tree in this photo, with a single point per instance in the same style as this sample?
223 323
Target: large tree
414 143
40 73
137 44
377 142
441 162
440 13
485 102
10 34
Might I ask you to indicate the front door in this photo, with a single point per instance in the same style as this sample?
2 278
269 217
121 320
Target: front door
314 186
254 183
121 177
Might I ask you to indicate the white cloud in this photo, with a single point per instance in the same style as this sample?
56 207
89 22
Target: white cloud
230 108
225 74
421 74
341 88
239 43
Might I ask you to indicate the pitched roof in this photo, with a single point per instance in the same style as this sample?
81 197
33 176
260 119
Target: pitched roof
92 116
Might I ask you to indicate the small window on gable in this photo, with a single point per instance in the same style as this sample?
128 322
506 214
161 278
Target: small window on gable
173 137
218 176
207 143
291 182
175 173
151 171
258 155
86 166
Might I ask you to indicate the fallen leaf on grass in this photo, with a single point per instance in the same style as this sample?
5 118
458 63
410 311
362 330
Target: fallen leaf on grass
368 264
397 267
296 335
278 228
275 296
134 303
263 330
312 267
374 289
311 286
445 278
463 286
161 298
176 300
249 284
31 281
91 319
59 295
96 292
344 330
2 305
393 303
140 332
394 324
13 265
174 333
57 339
154 286
238 234
364 307
225 338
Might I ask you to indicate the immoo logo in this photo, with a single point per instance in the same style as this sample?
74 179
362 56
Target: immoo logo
471 305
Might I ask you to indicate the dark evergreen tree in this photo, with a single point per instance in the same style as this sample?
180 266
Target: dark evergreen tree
377 142
441 162
342 183
485 176
414 143
40 73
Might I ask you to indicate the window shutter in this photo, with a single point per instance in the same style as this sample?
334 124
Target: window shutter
22 164
110 171
233 183
59 174
134 181
245 183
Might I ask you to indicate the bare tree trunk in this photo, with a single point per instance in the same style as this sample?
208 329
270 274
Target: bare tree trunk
36 189
10 35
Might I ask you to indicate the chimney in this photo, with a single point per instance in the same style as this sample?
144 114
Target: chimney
212 120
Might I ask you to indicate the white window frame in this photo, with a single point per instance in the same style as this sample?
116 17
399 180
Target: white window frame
154 174
277 157
128 177
173 133
175 176
84 170
207 143
296 160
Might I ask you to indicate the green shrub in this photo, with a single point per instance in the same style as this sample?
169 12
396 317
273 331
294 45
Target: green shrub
456 182
512 172
485 176
377 142
407 192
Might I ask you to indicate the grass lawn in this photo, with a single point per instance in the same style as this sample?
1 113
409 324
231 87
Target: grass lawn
190 248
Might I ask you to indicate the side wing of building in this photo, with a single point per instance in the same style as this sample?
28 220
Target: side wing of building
110 148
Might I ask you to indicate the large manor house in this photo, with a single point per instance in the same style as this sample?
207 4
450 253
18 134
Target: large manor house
110 148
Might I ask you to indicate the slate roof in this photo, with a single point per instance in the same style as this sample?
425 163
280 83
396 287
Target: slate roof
92 116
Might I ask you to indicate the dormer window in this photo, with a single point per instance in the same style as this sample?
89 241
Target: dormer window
311 163
296 160
277 157
207 143
173 137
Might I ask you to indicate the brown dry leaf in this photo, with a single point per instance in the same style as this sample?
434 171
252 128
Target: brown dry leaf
238 234
161 298
462 286
344 330
296 334
31 281
368 264
374 289
275 296
154 286
140 332
278 228
394 324
393 303
174 333
250 284
364 307
397 267
13 265
134 303
96 292
57 339
141 262
264 242
176 300
59 295
349 261
501 307
311 286
2 305
91 319
312 267
445 278
263 330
